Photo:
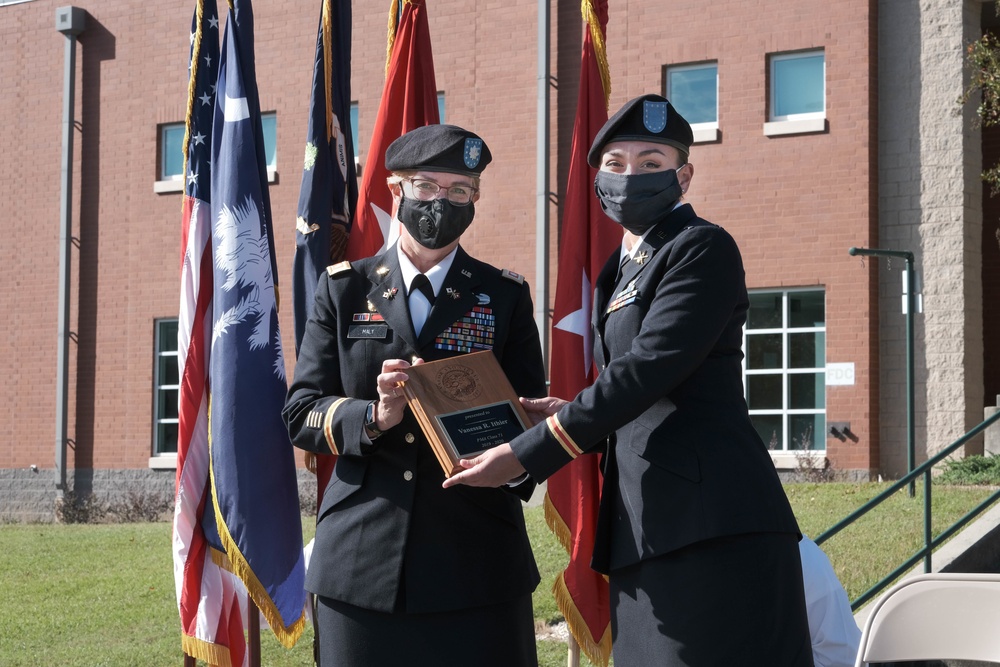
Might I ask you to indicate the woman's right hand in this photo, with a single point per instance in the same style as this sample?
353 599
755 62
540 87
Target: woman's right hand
391 402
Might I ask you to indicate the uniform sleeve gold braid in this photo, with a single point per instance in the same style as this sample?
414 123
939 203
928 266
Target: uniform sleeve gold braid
328 425
391 33
195 59
600 48
328 68
562 437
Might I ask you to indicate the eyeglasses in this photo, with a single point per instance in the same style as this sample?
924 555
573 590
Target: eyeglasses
424 190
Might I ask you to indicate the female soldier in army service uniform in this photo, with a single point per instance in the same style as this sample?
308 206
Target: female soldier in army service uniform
407 572
694 530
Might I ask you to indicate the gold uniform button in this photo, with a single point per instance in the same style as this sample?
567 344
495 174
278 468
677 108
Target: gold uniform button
407 475
409 438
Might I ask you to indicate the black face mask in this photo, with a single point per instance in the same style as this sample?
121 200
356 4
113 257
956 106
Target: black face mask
435 223
637 202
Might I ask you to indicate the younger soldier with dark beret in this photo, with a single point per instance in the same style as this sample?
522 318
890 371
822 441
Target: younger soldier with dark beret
694 530
407 572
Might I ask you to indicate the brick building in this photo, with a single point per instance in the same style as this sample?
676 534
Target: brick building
831 126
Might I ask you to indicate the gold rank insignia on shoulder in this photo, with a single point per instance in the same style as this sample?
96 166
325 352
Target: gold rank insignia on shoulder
640 259
510 275
382 270
339 267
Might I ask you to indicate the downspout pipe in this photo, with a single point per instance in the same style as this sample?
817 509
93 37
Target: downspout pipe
70 22
542 184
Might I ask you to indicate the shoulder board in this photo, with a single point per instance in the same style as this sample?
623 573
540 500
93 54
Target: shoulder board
510 275
339 267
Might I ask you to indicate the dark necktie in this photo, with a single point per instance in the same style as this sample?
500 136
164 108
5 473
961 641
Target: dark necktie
420 282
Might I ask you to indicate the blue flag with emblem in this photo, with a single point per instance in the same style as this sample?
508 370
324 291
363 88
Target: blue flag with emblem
329 192
253 480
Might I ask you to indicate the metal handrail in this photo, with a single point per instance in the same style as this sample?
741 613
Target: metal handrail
929 543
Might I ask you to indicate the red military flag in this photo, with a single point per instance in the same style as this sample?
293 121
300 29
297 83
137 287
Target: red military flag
588 239
208 596
409 101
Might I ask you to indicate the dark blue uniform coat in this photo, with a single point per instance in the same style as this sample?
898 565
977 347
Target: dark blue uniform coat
683 462
386 530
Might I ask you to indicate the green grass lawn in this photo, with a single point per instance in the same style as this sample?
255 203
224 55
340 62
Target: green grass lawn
93 595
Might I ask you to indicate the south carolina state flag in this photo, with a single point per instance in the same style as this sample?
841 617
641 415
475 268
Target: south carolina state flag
254 487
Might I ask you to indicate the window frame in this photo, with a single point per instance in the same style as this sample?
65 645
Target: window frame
797 123
706 131
785 412
157 454
174 183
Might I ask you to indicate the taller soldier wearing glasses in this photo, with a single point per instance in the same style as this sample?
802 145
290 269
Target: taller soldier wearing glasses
405 571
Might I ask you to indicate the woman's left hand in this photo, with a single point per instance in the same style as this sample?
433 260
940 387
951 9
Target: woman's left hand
494 467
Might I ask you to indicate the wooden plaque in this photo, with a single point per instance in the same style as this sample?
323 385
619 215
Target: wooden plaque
465 405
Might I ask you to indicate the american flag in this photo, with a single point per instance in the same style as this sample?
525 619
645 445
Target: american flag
207 595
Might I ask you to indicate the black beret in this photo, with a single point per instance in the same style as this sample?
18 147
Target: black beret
439 148
646 118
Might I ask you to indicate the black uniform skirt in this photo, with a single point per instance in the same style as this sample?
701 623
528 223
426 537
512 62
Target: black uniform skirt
723 602
500 635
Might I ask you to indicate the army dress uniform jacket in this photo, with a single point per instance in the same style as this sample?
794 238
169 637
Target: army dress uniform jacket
387 534
683 462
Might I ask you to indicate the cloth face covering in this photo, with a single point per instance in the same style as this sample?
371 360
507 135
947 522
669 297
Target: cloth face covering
435 223
637 202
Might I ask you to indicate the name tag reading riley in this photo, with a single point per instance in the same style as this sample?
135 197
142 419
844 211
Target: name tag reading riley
368 331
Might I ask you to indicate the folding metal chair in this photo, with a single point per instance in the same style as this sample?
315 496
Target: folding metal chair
942 616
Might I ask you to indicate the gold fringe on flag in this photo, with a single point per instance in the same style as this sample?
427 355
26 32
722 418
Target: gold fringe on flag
215 655
600 49
391 33
328 67
597 650
287 635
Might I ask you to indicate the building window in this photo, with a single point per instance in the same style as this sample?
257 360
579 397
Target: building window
441 107
354 128
172 152
170 177
785 368
797 93
269 123
166 388
694 91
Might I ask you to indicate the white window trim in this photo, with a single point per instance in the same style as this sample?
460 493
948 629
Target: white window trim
798 123
163 462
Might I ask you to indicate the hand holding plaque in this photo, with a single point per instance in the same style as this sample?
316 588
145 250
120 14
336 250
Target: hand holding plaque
465 405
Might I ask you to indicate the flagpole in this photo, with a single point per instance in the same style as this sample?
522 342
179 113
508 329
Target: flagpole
542 184
253 633
573 659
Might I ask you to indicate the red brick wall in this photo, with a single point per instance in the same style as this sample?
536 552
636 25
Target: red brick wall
795 204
